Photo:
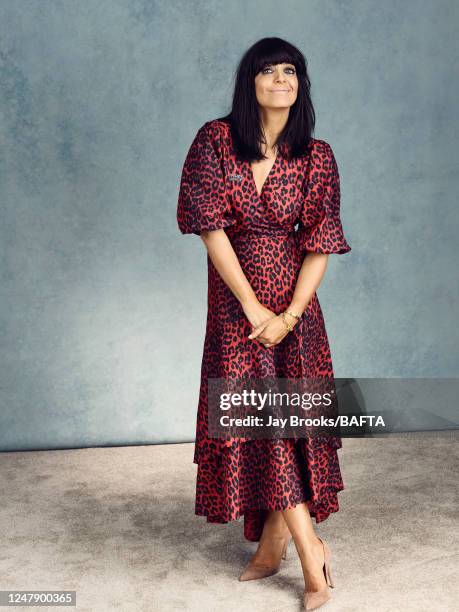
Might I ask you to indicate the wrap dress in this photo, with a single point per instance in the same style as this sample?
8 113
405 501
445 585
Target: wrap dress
297 211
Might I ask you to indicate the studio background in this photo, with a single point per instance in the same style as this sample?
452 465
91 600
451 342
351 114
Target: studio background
103 301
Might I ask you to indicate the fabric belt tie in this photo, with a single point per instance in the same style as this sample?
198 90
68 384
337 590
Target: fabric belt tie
261 231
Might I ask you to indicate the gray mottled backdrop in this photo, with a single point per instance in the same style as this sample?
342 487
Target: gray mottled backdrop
103 300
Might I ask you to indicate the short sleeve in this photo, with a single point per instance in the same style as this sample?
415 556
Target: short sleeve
203 202
320 229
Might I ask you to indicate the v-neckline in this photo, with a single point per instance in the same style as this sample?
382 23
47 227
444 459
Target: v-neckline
260 193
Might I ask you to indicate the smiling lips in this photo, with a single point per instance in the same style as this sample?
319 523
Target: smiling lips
279 90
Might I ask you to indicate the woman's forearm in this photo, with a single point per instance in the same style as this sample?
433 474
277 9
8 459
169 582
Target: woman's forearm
309 279
227 264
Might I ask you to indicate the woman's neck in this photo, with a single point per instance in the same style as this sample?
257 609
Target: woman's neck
273 122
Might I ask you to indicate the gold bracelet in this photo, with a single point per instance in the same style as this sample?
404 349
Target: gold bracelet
297 316
289 326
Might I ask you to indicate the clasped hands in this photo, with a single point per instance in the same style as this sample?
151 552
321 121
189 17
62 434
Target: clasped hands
267 327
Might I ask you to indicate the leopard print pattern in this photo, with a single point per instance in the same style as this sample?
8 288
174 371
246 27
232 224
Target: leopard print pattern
271 232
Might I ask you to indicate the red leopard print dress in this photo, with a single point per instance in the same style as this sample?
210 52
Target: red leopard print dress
238 478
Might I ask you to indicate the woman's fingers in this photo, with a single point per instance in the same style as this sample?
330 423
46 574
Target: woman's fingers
272 339
257 331
275 334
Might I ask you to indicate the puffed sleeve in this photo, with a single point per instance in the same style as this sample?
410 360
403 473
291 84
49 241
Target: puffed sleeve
320 229
203 203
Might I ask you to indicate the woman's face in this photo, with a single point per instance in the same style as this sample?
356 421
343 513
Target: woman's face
276 86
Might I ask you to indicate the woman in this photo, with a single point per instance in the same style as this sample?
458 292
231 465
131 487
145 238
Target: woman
248 179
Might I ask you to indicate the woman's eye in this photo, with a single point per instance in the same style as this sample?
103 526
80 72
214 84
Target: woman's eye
291 70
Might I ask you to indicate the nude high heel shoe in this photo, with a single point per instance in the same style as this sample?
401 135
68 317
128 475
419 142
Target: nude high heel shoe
315 599
255 572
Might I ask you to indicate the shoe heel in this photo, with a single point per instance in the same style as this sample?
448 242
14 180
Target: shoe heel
328 576
284 553
327 566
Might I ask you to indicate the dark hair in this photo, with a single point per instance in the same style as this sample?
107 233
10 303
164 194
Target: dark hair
244 117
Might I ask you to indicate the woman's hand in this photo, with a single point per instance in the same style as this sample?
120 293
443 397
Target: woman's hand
256 313
268 328
272 332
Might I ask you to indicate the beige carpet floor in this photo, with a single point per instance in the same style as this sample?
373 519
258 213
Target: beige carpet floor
117 525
